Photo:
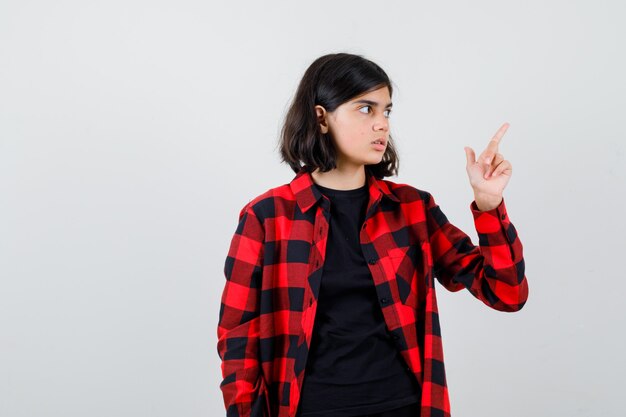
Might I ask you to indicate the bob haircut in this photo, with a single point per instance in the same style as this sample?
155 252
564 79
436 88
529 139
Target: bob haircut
330 81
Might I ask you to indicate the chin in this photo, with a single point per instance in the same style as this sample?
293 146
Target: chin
373 161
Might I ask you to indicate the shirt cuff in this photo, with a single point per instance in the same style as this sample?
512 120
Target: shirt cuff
490 221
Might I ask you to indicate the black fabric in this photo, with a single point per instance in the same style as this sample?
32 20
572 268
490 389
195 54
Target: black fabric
353 367
411 410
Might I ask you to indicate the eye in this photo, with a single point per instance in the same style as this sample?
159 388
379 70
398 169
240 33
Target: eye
369 107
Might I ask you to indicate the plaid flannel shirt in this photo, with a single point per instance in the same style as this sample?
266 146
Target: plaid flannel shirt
274 267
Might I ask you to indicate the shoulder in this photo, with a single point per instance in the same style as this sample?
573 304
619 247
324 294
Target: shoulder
261 205
416 204
406 193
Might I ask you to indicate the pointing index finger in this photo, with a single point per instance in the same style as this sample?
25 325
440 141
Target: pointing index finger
496 138
492 147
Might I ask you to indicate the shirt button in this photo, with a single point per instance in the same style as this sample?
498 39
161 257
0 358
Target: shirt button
317 263
372 261
383 300
503 216
310 301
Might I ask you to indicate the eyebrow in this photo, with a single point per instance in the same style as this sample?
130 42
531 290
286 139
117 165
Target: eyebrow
373 103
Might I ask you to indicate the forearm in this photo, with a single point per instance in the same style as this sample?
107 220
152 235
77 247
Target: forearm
493 271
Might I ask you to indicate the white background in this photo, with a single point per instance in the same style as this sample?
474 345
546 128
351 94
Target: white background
131 133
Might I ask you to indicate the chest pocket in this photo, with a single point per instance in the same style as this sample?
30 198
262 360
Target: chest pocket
407 262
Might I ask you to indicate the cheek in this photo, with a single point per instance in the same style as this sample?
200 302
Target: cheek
356 134
364 137
352 135
357 139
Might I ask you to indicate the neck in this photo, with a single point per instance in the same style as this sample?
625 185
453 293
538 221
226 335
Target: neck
340 178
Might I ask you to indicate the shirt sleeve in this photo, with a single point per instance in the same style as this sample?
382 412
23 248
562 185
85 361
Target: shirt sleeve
238 325
493 271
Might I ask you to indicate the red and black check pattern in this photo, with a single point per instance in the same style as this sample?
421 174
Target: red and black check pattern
274 267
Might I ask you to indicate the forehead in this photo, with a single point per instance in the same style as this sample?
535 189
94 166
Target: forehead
379 97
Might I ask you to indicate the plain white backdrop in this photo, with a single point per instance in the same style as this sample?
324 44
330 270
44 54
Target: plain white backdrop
132 132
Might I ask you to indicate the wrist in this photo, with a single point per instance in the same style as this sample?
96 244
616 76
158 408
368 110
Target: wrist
487 202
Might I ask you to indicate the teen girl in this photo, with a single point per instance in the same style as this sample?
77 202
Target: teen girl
329 307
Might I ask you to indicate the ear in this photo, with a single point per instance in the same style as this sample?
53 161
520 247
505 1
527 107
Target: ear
321 118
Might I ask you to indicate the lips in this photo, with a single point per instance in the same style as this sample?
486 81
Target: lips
383 141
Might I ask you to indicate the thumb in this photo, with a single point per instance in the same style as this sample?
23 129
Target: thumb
470 155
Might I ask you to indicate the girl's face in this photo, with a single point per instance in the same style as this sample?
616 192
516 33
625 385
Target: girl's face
357 123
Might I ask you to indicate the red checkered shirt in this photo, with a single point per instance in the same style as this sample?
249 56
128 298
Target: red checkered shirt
274 267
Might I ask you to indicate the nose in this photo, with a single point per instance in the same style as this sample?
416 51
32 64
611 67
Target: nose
382 123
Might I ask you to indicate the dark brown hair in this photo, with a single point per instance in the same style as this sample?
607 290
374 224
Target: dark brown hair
330 81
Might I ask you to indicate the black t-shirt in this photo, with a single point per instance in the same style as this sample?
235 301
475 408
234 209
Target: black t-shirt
353 367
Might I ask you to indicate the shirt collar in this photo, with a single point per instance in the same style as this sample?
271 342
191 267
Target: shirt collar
307 194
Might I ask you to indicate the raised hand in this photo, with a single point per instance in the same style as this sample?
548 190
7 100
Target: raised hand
490 173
